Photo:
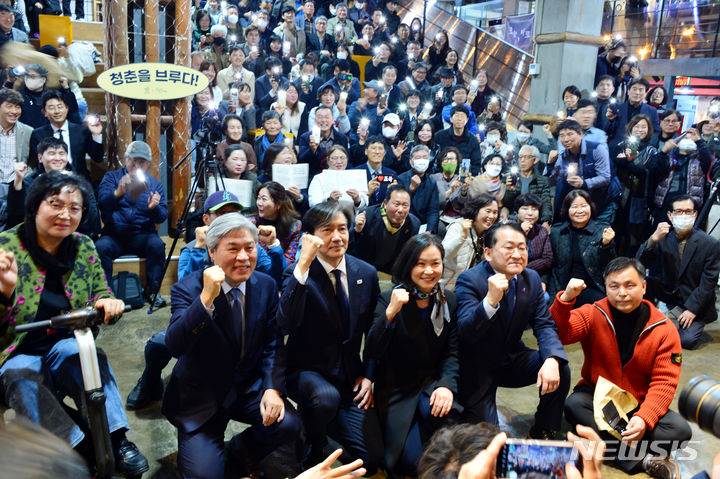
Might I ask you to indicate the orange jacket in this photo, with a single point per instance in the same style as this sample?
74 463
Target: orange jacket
651 375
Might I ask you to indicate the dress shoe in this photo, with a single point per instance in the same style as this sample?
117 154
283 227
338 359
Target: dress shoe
144 393
129 460
662 467
544 434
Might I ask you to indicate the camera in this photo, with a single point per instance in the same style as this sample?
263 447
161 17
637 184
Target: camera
344 77
700 403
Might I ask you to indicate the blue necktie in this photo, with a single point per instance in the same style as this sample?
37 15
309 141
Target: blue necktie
510 297
342 301
376 194
238 322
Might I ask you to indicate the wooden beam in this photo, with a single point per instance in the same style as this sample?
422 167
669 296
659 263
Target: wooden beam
118 19
181 128
152 54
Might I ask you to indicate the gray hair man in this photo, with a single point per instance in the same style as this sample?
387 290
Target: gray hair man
526 178
423 189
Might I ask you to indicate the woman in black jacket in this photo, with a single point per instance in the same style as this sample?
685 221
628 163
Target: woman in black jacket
581 248
414 340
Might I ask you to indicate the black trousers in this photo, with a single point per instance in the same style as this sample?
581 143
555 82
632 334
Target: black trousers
670 433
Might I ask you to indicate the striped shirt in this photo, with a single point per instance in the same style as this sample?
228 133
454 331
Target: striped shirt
8 154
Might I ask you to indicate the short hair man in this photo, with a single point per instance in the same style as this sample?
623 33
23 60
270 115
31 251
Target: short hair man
690 265
379 176
236 72
629 342
327 305
314 152
8 32
80 140
460 98
497 300
585 165
132 203
617 116
52 156
459 136
381 230
14 138
425 202
231 358
586 114
529 180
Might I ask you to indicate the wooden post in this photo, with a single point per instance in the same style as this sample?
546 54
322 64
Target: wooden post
110 123
118 19
152 54
181 128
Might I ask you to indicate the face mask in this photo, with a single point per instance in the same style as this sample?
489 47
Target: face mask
389 131
341 55
359 6
522 137
493 170
492 139
219 41
233 19
683 222
686 145
421 165
262 24
34 83
449 168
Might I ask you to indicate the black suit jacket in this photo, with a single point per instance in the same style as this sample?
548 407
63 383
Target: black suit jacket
215 354
311 316
81 144
689 281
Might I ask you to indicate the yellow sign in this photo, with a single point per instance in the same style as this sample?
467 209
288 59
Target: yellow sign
152 81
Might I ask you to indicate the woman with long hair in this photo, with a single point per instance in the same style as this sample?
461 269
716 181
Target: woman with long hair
294 115
235 167
277 220
209 68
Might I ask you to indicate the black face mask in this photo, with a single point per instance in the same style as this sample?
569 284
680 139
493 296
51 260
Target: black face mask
219 41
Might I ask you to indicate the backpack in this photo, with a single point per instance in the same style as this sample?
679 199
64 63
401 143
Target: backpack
127 286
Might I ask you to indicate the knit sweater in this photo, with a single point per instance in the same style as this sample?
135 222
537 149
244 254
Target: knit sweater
652 374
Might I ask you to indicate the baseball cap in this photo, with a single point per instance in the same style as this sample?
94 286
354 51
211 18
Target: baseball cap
139 149
392 118
6 8
219 199
375 85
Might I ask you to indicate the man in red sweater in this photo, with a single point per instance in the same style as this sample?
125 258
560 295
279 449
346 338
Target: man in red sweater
631 343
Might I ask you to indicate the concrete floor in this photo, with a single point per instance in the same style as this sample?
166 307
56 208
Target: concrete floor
157 439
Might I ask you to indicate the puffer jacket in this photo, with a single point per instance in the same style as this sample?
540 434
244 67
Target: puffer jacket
459 252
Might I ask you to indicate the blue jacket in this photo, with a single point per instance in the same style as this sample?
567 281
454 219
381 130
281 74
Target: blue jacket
216 356
123 216
615 129
379 195
487 344
472 119
353 93
424 200
195 259
310 314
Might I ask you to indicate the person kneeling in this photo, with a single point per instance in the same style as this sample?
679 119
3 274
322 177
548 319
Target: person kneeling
628 341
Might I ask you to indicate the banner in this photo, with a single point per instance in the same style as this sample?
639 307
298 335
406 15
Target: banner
519 31
152 81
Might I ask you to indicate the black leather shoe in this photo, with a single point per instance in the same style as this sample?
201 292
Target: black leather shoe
144 393
159 302
544 434
661 467
129 460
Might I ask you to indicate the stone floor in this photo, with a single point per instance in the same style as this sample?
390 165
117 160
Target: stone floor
156 438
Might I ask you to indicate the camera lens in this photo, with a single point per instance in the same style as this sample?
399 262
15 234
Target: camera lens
700 403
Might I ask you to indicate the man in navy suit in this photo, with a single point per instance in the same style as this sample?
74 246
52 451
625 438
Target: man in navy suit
326 306
497 299
266 86
231 358
617 117
379 176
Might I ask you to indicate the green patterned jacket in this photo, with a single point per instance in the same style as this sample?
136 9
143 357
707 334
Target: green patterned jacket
86 282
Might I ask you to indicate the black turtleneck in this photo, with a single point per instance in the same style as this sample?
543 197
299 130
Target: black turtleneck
628 327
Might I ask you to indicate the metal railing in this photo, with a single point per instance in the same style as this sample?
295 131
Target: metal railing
507 66
665 29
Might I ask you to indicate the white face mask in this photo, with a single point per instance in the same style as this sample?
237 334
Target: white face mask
233 19
34 83
522 136
686 145
262 24
389 131
420 165
341 55
493 170
683 223
492 139
359 6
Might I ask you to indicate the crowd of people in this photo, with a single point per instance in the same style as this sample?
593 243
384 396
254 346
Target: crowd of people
585 230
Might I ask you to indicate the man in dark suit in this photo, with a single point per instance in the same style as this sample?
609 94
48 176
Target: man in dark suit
379 177
231 358
266 86
308 84
690 265
617 116
314 152
381 230
82 140
327 306
497 299
422 188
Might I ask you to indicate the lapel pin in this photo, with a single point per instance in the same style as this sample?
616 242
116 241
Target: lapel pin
359 281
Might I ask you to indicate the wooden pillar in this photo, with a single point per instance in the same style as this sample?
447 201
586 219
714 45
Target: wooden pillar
110 123
152 54
181 128
118 18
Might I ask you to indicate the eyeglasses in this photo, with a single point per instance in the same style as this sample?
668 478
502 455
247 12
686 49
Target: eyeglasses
688 212
670 120
58 207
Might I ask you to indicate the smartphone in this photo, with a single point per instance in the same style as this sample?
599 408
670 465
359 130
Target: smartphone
464 169
612 416
520 458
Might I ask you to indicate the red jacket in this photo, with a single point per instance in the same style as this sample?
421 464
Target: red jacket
651 375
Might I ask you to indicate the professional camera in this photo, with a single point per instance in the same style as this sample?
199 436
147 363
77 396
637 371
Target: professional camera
700 403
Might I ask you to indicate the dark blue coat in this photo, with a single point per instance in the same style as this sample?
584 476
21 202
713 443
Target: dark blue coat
424 200
213 356
486 345
379 195
317 162
125 216
615 129
311 316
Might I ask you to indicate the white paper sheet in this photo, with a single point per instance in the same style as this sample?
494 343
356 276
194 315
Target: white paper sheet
292 175
240 188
